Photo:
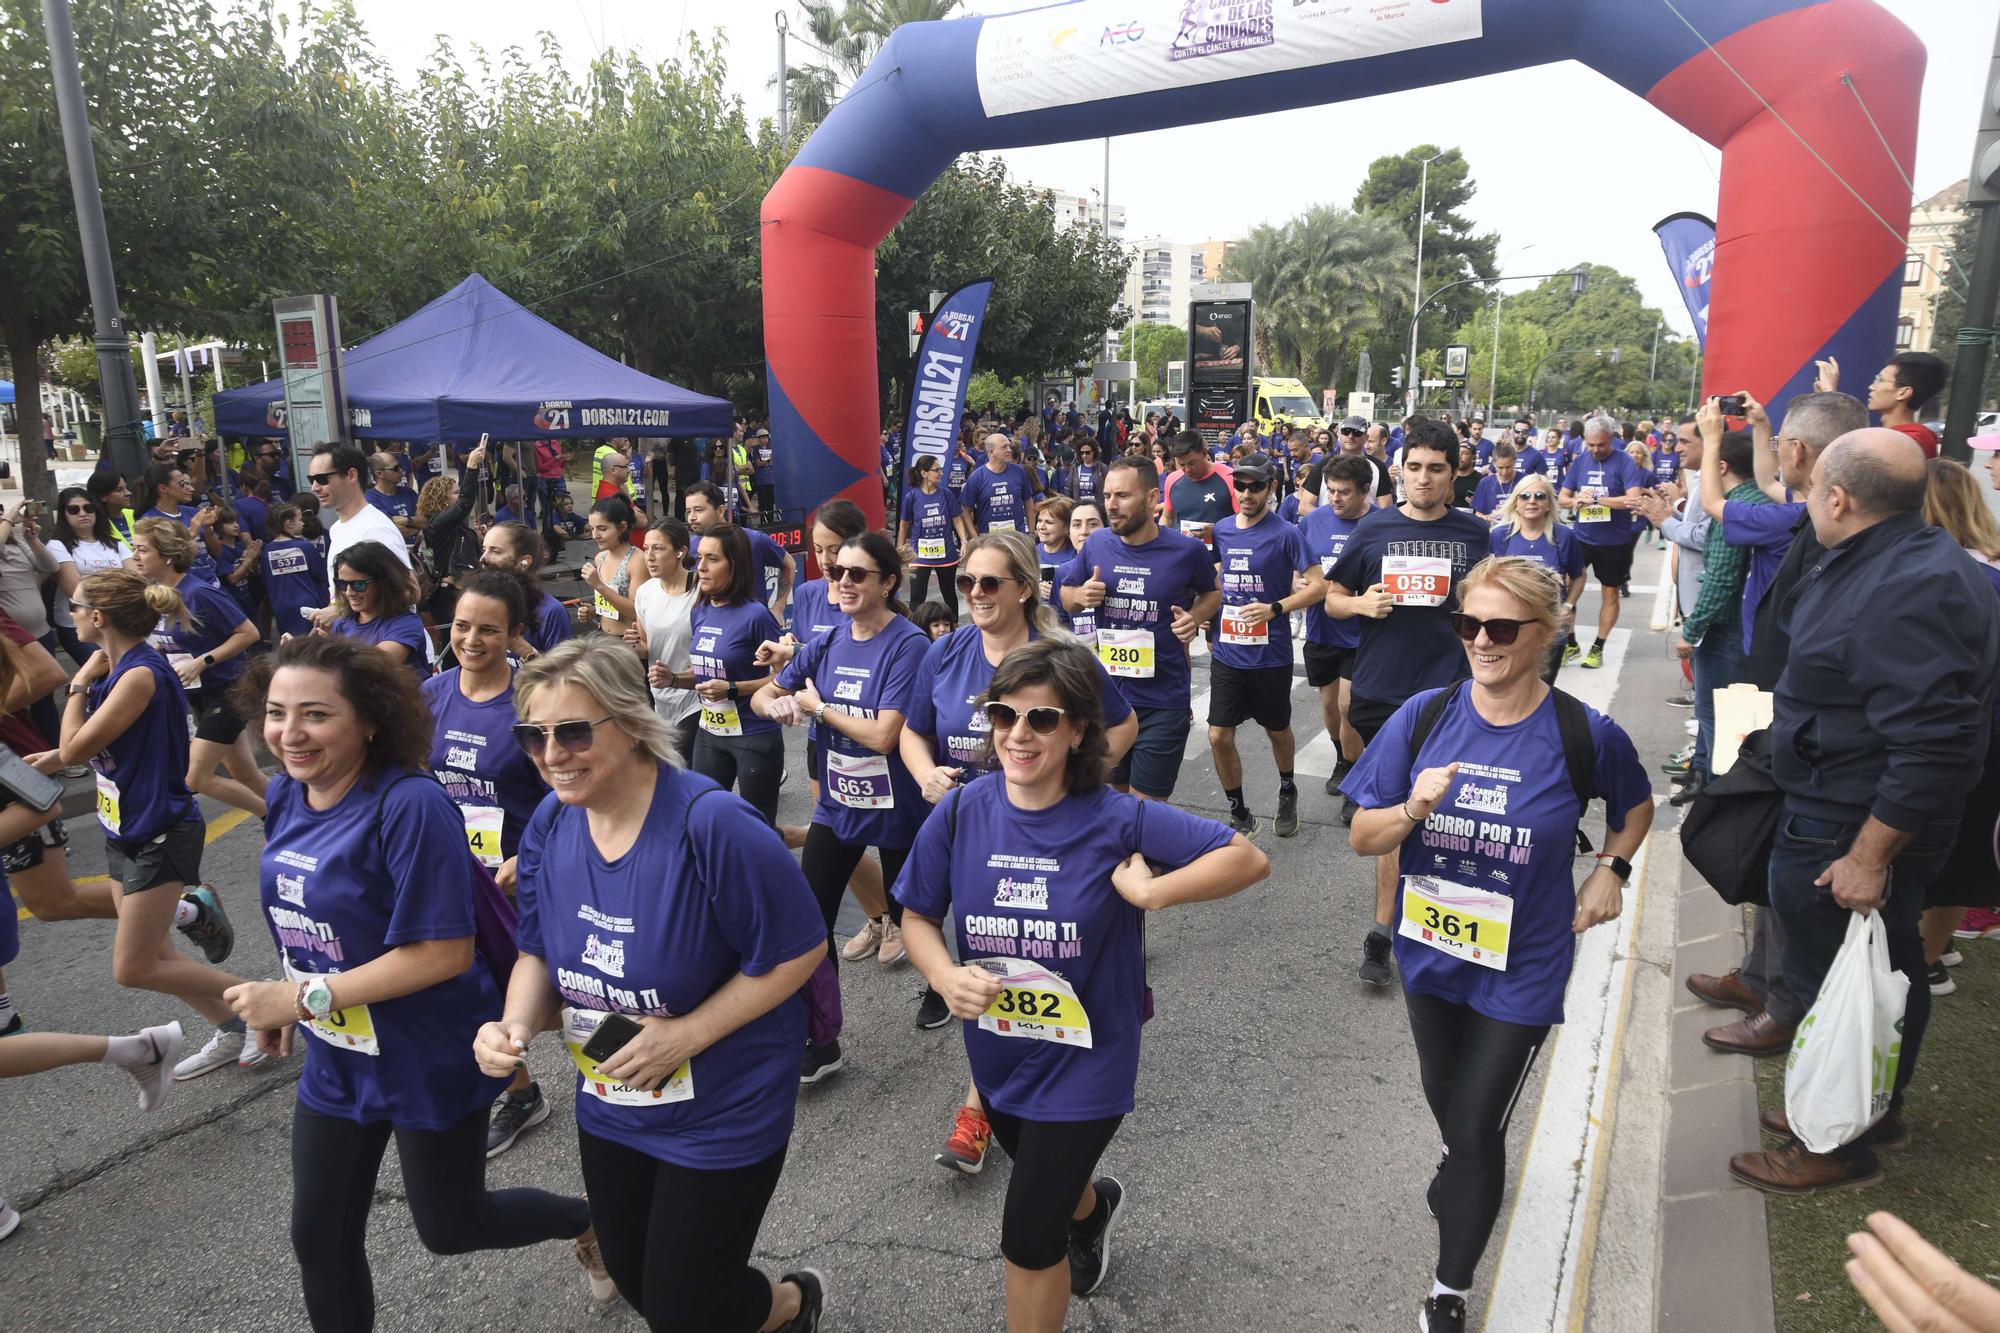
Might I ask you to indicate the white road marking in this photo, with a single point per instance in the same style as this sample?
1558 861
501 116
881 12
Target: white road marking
1663 596
1597 687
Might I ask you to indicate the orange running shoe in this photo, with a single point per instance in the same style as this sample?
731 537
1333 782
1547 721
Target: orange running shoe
965 1150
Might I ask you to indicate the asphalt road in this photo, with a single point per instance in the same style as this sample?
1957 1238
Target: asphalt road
1274 1169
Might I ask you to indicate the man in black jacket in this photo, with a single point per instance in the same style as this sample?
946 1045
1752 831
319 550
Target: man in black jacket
1880 727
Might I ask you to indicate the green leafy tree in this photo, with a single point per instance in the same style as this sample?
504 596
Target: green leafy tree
1325 283
1950 314
1595 350
849 36
1152 346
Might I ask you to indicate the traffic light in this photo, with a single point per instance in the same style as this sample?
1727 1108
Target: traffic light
1984 187
916 330
1396 377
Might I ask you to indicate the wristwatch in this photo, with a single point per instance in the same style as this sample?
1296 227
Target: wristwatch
315 999
1618 866
819 716
208 659
734 693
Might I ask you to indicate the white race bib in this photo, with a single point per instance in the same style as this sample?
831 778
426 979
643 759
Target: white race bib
605 610
349 1029
107 803
1193 528
860 781
1417 580
1469 924
930 548
579 1026
1126 652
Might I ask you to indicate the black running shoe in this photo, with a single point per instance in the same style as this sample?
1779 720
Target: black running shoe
812 1300
1333 785
1348 810
1090 1246
931 1011
513 1114
1288 812
1442 1314
819 1062
1375 958
1243 821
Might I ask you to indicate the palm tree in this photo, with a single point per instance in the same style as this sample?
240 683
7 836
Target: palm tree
1322 282
851 36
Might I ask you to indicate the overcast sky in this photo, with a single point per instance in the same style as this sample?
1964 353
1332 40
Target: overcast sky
1532 151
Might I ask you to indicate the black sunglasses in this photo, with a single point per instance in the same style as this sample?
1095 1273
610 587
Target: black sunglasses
1499 631
321 478
986 583
76 509
849 574
1247 484
1041 721
576 737
353 585
1349 430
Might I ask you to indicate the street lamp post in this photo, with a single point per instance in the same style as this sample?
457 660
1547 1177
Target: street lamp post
1417 301
1493 384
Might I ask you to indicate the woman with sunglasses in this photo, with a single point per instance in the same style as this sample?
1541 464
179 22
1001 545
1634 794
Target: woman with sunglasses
855 683
84 543
608 573
1528 528
1045 869
663 628
494 785
1485 954
734 746
369 897
945 740
380 596
206 650
518 549
666 923
930 528
126 716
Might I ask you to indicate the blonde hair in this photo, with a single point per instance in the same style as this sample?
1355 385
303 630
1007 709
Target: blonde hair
609 672
175 543
1953 501
1019 550
1530 582
1507 518
128 603
435 498
1640 454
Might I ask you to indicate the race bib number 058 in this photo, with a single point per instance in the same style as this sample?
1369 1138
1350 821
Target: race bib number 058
1417 580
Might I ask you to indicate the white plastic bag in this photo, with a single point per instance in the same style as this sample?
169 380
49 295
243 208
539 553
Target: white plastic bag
1842 1068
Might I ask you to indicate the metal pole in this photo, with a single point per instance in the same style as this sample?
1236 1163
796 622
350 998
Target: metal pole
1694 380
149 351
1653 372
1975 337
784 101
1416 302
1493 385
114 350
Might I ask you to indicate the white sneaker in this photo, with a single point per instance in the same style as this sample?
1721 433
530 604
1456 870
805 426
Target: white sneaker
602 1289
10 1220
165 1041
864 943
892 944
223 1049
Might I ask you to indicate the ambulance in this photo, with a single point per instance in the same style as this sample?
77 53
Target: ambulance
1284 401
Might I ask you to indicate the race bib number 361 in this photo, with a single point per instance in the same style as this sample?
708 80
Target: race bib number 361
1469 924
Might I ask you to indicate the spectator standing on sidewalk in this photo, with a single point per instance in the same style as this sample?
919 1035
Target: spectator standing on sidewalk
1678 514
1874 772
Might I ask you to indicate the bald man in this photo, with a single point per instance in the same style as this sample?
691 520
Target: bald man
1880 727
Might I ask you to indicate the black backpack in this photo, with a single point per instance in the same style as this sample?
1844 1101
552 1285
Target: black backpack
1579 752
1732 823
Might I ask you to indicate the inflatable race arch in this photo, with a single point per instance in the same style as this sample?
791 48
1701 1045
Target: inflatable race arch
1809 252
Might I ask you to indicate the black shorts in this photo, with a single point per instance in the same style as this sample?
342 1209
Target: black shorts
26 851
1367 716
214 718
172 857
1153 763
1611 564
1326 664
1239 693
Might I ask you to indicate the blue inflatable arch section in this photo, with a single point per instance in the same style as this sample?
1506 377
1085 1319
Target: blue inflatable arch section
1804 263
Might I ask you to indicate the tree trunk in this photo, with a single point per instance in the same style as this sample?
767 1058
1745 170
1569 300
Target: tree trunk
23 349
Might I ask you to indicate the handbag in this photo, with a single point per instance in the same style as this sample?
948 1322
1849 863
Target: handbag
1732 823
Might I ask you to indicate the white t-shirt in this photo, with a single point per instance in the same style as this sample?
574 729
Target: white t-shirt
664 617
369 525
91 557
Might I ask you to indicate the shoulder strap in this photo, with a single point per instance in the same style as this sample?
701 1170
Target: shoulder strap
1427 720
1579 756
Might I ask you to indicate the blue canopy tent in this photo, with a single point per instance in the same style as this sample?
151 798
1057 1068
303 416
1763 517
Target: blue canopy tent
476 362
6 391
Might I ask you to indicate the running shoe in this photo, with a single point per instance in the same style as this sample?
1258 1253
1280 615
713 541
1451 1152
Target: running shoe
1349 808
812 1300
1594 658
893 951
864 943
164 1043
819 1062
602 1289
14 1025
1979 922
1333 785
1090 1246
1243 821
1679 762
210 929
1442 1314
1940 979
931 1009
513 1114
1288 812
1951 958
10 1221
971 1136
1571 651
223 1049
1682 700
1375 958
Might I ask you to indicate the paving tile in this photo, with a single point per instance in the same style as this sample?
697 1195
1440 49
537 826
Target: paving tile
1704 914
1715 1266
1705 1127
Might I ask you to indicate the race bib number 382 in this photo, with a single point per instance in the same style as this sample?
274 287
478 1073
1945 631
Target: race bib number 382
1034 1003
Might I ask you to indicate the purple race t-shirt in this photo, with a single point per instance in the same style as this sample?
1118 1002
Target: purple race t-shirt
406 629
1257 564
1142 586
867 799
723 646
474 754
945 709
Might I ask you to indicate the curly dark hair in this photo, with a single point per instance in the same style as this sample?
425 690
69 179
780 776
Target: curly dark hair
383 694
1070 669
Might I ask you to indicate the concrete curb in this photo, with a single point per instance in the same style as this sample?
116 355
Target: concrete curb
1715 1255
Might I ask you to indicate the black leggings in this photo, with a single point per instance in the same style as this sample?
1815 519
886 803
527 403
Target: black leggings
1474 1068
334 1166
829 863
1053 1161
677 1240
754 765
947 580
